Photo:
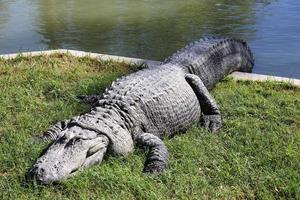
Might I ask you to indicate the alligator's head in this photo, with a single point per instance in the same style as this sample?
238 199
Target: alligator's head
76 149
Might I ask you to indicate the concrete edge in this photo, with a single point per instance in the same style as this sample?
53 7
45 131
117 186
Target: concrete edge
76 53
236 75
260 77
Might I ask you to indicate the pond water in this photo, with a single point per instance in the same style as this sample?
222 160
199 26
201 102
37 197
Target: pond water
155 29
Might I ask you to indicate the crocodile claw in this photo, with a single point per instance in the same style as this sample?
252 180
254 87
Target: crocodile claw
155 167
212 122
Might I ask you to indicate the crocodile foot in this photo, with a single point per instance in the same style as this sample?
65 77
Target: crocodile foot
212 122
155 167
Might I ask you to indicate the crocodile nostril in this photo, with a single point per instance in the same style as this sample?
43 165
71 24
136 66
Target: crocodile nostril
39 172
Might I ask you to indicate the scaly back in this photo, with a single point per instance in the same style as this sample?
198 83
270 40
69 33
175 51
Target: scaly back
212 58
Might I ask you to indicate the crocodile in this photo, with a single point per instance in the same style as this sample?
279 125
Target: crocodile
142 108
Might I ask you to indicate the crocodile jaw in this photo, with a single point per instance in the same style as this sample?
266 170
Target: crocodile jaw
77 149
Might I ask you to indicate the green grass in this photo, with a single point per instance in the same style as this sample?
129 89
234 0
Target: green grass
255 155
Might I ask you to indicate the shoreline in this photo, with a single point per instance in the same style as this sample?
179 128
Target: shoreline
235 75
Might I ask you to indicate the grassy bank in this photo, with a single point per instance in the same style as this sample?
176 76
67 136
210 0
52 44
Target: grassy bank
255 155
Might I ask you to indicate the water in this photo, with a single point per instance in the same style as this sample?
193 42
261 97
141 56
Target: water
155 29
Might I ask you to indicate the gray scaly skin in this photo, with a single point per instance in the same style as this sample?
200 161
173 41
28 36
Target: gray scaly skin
144 107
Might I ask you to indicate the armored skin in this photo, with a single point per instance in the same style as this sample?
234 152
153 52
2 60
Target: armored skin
144 107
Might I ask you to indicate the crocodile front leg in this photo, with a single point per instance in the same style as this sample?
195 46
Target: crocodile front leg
158 156
89 99
212 116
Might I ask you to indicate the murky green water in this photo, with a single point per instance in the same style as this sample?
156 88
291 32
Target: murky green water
154 29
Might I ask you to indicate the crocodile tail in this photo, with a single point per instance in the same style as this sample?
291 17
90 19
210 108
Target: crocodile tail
212 58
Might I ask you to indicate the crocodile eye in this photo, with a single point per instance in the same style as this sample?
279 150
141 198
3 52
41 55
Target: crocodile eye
73 141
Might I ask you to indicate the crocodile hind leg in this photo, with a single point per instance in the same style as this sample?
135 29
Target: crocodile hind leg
212 116
158 155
